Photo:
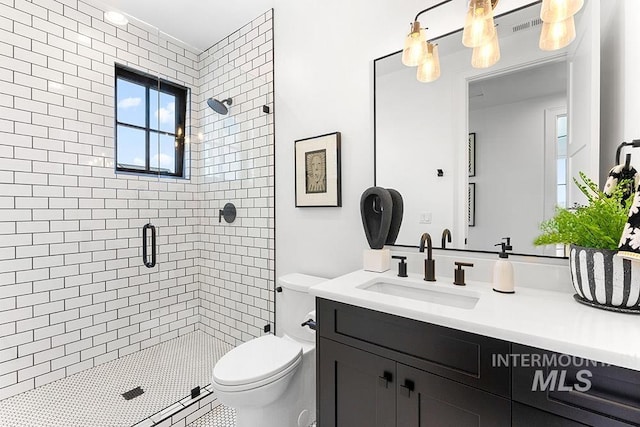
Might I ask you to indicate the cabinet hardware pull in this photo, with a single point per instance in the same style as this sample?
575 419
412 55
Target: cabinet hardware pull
407 388
385 379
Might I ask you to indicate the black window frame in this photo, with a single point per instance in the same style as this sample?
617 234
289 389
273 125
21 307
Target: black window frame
162 86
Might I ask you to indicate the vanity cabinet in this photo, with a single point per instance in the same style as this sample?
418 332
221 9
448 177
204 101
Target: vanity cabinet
375 369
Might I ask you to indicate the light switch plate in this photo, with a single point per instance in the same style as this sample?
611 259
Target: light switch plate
425 218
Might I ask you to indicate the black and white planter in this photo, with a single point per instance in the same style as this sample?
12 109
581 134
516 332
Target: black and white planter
605 281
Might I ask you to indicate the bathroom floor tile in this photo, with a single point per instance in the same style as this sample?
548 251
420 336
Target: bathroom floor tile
93 398
221 416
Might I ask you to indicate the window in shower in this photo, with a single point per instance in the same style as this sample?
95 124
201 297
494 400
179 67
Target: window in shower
150 124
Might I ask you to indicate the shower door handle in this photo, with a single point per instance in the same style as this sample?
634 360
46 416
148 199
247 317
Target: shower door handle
145 258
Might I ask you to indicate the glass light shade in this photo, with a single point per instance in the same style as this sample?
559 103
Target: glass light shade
429 70
479 28
414 51
486 55
556 35
559 10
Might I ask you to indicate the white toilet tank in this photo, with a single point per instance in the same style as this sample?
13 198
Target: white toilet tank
293 305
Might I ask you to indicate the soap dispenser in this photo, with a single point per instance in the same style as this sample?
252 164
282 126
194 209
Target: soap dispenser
503 270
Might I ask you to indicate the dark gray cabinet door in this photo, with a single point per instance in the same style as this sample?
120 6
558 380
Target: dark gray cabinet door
355 388
428 400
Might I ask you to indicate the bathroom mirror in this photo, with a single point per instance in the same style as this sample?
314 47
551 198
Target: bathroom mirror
489 153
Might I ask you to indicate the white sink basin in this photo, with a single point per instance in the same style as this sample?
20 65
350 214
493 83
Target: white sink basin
414 292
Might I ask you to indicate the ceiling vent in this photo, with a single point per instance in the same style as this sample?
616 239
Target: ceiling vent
526 25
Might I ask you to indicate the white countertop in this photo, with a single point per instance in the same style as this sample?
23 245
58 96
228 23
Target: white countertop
538 318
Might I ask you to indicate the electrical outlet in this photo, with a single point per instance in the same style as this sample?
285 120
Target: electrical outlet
425 218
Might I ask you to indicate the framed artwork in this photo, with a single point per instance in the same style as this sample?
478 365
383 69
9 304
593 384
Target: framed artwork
471 208
472 154
317 171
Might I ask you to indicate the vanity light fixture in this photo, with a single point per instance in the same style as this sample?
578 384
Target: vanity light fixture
419 52
556 35
559 10
558 27
414 51
429 69
479 28
486 55
116 18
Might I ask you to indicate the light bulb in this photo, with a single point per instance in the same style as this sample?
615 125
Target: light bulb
429 70
556 35
414 46
486 55
559 10
479 28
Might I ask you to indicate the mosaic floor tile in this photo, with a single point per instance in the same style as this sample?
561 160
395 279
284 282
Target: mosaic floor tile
93 398
221 416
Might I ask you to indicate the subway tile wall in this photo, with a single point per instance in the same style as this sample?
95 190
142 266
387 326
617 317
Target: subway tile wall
236 165
73 290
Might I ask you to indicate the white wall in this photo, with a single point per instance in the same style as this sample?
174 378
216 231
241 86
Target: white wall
611 83
323 83
631 81
620 60
510 148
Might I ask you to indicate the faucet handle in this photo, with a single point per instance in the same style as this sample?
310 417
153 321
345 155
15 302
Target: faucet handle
402 266
458 273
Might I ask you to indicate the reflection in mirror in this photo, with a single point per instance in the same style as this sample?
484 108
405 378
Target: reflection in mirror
516 118
532 135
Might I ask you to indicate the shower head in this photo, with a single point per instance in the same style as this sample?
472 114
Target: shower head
218 106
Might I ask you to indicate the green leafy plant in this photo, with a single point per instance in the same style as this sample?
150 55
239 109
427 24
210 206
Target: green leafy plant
598 225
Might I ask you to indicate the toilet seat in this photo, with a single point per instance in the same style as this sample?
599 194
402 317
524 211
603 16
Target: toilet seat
257 362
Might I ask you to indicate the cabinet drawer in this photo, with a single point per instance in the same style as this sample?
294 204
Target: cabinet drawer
526 416
453 354
575 388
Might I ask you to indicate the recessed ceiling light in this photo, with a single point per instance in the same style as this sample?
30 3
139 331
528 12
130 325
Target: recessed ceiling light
116 18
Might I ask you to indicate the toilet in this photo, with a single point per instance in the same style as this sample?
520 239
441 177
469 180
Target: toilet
270 381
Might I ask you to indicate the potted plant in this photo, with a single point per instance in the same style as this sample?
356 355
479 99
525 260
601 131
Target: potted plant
593 232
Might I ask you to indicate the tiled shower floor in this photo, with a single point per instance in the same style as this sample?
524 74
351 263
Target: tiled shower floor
92 398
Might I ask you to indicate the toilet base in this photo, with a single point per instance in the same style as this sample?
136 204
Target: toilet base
295 408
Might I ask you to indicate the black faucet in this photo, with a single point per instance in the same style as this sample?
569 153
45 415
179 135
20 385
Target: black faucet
429 263
446 237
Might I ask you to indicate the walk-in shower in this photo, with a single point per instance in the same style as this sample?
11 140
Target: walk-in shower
119 288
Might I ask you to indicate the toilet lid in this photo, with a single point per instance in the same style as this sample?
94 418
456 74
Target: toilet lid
256 360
